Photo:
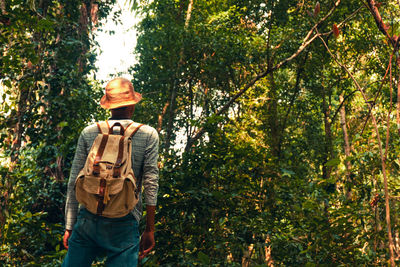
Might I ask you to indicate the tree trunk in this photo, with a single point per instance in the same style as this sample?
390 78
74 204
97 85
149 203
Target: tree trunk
172 100
161 116
328 148
398 96
19 127
272 117
246 259
347 148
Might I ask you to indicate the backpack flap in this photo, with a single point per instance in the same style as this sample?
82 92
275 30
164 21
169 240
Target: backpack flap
91 184
113 150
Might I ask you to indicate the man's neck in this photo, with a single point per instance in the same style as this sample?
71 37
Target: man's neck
119 118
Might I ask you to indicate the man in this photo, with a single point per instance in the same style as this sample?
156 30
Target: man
88 235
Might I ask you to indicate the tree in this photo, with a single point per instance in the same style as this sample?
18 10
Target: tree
46 99
258 105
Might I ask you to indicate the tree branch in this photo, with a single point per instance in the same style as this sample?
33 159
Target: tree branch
175 83
382 155
377 94
341 104
379 22
306 42
300 69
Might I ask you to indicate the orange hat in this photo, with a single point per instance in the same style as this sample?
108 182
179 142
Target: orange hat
119 93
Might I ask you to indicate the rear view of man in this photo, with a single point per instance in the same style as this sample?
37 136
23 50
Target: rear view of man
90 234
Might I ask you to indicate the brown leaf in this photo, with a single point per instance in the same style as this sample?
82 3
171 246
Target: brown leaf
335 30
310 14
317 8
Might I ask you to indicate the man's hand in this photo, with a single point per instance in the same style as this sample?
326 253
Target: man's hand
147 243
67 234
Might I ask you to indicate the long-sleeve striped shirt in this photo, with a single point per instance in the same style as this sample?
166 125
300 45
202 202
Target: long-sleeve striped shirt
144 165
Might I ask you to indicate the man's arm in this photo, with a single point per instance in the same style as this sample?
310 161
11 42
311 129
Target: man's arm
71 205
150 214
147 241
150 186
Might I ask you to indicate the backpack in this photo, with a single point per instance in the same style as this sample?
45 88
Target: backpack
106 185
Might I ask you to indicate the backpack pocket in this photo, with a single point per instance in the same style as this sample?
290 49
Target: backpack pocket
119 197
121 203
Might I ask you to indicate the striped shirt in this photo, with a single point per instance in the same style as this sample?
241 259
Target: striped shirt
144 165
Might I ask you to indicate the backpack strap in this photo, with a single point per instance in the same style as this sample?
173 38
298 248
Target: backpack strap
128 132
100 201
131 129
103 127
117 169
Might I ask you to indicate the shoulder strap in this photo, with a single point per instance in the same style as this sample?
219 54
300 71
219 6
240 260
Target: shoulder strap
131 129
103 127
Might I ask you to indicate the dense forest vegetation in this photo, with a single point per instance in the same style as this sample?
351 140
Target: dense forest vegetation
279 124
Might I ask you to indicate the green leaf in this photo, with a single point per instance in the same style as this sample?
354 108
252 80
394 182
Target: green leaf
7 83
333 162
286 172
62 124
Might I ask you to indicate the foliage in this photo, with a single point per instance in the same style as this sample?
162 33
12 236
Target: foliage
268 181
47 98
263 163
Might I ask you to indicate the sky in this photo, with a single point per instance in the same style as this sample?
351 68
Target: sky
116 51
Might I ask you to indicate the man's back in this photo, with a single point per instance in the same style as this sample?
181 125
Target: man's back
144 161
88 235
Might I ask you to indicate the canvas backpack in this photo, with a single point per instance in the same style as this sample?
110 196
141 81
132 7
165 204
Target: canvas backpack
106 185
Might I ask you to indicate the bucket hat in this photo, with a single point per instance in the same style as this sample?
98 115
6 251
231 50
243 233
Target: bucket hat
119 93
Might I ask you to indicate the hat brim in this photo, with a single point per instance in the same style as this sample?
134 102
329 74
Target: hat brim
109 105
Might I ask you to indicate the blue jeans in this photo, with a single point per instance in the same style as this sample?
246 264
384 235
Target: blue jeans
92 236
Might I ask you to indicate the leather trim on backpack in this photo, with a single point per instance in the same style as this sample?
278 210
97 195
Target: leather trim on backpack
99 127
121 131
117 169
99 155
100 201
103 127
134 131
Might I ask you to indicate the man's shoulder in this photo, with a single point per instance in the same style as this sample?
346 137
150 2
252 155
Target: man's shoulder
146 134
92 128
148 130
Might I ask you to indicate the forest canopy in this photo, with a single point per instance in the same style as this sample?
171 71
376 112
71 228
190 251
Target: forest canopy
279 126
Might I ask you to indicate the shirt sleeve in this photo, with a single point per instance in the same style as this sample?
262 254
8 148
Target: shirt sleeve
72 205
150 169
